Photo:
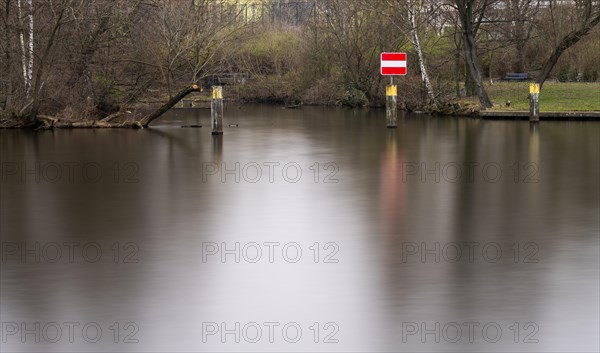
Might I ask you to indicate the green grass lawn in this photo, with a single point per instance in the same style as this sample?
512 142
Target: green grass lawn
554 97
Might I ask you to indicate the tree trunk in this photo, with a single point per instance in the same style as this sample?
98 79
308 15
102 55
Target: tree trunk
417 44
30 49
457 69
7 67
465 11
42 62
144 122
519 65
475 71
470 90
26 47
518 12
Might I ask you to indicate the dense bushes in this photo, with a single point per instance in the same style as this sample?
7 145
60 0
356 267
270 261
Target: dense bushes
110 54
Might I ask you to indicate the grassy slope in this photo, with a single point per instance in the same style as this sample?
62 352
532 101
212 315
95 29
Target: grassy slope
555 96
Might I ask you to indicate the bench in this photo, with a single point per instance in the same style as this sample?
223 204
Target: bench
516 76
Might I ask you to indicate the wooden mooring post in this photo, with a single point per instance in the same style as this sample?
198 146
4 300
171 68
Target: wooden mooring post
216 110
534 103
391 112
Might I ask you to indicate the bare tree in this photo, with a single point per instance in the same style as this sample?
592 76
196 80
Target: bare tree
57 17
209 35
409 16
414 9
26 38
191 34
586 16
470 23
94 21
6 80
357 36
521 15
175 25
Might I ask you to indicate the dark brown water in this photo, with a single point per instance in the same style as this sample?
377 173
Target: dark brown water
338 235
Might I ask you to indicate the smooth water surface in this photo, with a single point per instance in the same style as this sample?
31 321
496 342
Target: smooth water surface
302 230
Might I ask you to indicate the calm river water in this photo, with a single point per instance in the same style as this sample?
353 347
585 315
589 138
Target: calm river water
302 230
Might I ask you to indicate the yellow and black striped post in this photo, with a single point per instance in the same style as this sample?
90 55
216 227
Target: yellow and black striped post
216 109
391 112
534 103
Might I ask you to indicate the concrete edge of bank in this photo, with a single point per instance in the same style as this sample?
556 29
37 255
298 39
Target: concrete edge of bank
549 116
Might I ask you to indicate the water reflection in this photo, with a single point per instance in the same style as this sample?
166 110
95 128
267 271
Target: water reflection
400 216
217 146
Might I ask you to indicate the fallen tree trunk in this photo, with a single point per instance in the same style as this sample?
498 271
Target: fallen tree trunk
45 122
112 117
144 122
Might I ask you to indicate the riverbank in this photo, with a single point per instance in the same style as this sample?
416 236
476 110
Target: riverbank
554 97
129 120
558 101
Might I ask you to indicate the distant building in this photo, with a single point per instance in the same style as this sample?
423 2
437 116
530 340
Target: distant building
293 12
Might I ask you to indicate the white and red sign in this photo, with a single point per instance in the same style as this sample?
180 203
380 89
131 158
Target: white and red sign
393 64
